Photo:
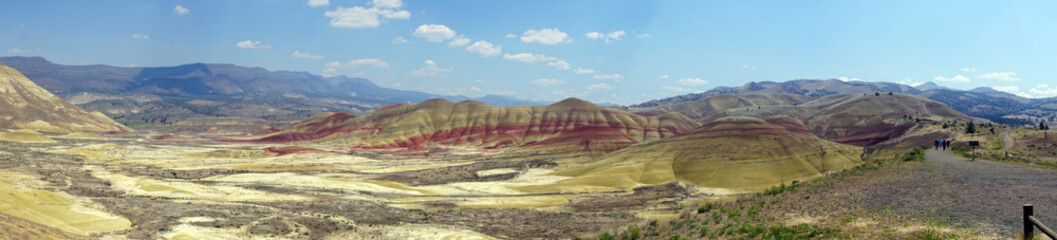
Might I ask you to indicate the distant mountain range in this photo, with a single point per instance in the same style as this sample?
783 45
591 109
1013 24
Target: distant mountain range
984 102
171 94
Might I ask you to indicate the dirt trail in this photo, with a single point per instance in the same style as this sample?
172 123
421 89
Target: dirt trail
992 193
1007 142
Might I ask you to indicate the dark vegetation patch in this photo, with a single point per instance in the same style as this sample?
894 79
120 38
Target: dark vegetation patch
517 223
462 173
640 198
188 174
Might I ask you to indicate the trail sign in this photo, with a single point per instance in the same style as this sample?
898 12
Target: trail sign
974 144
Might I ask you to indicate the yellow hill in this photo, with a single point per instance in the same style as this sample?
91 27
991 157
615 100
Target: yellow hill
738 154
24 135
25 105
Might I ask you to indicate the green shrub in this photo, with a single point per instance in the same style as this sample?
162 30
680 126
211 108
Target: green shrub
633 233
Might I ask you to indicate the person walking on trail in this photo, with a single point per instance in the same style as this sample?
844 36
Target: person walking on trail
946 143
936 144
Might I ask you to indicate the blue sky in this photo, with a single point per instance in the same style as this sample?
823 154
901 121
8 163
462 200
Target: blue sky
605 51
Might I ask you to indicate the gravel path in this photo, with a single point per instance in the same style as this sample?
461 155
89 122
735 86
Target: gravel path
1007 142
992 193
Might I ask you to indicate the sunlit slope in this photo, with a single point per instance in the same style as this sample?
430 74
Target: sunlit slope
475 124
840 115
25 105
732 153
715 106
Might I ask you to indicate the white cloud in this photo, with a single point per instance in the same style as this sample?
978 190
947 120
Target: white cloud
665 76
318 3
608 37
181 10
249 44
968 69
459 41
359 17
1044 90
330 72
614 77
644 35
140 36
692 82
430 69
599 86
298 54
545 36
910 82
848 79
958 79
18 50
485 49
400 40
584 71
475 89
1009 89
1001 76
546 82
750 68
528 57
559 64
434 32
676 89
359 62
510 35
387 3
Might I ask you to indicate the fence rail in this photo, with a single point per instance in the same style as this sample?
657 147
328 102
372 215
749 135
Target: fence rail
1030 223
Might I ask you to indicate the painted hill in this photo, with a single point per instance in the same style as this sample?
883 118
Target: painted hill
171 94
737 154
470 123
25 105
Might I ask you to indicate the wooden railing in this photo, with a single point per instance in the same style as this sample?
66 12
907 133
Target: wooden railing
1030 223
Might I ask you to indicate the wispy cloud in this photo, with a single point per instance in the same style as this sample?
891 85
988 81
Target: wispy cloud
400 40
675 89
318 3
359 62
250 44
957 79
140 36
485 49
692 82
599 86
1001 76
607 37
546 82
614 77
360 17
181 10
549 36
298 54
459 41
430 69
434 32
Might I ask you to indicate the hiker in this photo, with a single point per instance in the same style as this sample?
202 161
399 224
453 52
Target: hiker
946 143
936 144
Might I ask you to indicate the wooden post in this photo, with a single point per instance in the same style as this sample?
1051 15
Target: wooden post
1029 227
